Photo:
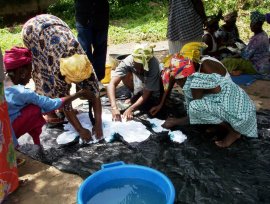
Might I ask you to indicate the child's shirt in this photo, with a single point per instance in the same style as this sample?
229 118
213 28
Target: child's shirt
18 97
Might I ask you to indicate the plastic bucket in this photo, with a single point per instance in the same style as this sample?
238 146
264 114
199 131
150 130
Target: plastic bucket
120 170
107 77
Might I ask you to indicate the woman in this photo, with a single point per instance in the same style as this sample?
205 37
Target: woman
140 73
173 65
26 107
54 51
255 57
215 100
8 168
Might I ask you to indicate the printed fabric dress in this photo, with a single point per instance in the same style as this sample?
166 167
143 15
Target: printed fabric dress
231 105
49 39
8 166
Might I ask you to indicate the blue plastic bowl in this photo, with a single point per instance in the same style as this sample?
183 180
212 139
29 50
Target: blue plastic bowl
120 170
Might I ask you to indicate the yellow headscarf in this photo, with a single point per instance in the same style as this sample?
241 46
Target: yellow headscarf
142 54
75 68
192 50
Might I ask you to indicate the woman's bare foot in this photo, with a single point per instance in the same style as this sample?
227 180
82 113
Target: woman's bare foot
229 139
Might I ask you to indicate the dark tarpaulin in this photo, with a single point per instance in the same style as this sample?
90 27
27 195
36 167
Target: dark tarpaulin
200 171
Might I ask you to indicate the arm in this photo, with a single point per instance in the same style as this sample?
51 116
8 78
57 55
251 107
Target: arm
98 121
111 94
199 93
157 108
128 113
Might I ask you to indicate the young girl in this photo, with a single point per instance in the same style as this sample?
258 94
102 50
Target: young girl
214 99
25 107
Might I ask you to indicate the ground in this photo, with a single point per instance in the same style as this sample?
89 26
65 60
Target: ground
46 184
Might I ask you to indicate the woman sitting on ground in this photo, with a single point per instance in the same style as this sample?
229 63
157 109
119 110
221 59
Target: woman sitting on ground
255 56
215 100
211 26
26 107
208 65
228 33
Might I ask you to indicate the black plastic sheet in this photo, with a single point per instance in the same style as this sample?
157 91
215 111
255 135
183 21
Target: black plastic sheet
200 171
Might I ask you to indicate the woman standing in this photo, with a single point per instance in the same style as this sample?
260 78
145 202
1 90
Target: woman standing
8 167
56 57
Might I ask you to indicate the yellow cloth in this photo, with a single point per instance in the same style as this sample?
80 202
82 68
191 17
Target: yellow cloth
142 54
75 68
193 50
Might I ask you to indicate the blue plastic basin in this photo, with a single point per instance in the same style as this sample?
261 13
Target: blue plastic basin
120 170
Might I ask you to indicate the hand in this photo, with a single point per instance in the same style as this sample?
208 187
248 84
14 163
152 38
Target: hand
97 130
170 122
85 134
116 116
155 110
86 94
128 114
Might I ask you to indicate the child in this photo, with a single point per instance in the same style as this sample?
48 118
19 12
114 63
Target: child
25 107
214 99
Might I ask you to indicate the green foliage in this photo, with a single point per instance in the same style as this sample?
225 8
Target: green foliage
10 37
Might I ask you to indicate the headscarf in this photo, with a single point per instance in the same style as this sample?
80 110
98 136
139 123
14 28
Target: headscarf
17 57
142 54
192 50
230 16
267 17
180 67
75 68
256 17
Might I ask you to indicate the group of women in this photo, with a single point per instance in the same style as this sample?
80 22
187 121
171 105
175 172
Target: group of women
54 59
225 44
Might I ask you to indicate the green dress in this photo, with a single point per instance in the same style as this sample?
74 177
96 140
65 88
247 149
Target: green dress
231 104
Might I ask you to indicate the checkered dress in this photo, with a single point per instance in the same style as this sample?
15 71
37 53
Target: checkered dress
184 23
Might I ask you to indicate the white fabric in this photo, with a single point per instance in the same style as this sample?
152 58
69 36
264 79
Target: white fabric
131 131
176 136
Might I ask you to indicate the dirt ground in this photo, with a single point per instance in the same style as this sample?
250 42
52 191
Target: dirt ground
46 184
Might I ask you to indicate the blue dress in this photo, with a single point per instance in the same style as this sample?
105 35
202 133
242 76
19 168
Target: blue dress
231 104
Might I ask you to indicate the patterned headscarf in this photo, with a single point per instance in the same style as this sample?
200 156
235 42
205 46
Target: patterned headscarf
75 68
17 57
192 50
179 68
267 17
142 54
230 16
256 17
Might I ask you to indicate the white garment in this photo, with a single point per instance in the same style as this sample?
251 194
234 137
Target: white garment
131 131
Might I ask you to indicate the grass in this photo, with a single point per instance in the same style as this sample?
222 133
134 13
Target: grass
141 21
